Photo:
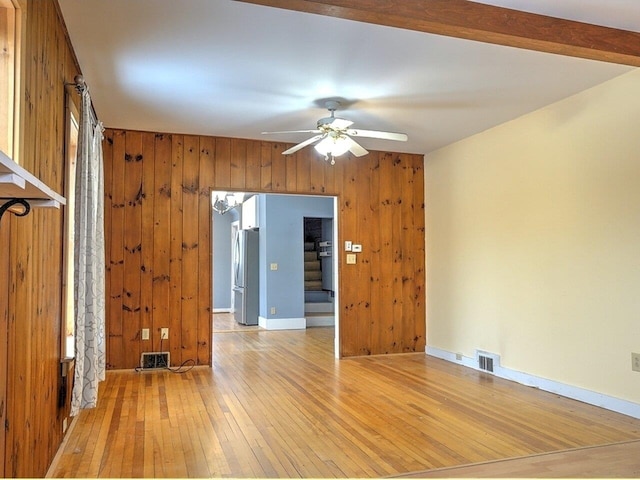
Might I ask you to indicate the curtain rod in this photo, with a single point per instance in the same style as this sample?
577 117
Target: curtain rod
78 83
81 86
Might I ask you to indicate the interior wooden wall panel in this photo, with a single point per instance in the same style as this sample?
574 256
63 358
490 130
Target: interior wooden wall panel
161 267
147 244
174 322
205 261
253 173
375 252
115 262
4 324
380 206
364 227
265 167
418 289
132 243
222 165
237 155
32 255
191 276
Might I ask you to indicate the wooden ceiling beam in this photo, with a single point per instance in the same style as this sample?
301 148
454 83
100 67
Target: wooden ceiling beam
483 23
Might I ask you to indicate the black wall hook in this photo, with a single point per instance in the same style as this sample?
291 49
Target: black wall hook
11 203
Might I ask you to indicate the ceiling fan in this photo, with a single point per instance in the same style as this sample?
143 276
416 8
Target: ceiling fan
333 136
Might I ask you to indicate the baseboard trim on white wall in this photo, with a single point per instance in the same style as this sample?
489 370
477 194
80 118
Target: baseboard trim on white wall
282 323
576 393
222 310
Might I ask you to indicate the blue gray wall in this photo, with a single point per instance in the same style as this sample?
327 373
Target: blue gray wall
222 244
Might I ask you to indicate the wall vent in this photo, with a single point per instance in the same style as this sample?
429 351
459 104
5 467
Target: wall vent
487 362
154 360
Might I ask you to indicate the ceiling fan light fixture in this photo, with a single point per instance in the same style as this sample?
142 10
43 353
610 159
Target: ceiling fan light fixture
334 136
333 146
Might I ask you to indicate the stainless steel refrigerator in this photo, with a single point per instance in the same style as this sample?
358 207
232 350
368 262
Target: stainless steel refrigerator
246 286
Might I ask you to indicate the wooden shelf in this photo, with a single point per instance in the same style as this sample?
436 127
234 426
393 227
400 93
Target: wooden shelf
16 182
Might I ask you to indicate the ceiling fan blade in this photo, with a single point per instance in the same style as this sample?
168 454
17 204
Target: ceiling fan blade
355 148
401 137
292 131
299 146
341 123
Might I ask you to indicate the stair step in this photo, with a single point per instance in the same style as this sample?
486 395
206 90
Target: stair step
322 308
310 256
313 297
313 285
314 265
313 275
320 320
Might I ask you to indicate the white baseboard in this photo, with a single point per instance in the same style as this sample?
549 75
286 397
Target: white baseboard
587 396
282 323
223 310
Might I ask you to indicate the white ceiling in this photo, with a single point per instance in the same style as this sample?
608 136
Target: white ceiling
226 68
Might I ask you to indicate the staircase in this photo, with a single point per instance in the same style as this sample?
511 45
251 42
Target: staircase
312 268
318 302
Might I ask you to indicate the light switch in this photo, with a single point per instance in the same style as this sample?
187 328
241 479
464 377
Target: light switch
274 266
351 258
356 248
347 246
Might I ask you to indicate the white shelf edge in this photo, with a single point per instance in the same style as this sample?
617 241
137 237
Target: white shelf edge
16 182
12 179
44 203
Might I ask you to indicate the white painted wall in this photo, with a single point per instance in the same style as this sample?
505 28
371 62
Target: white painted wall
533 241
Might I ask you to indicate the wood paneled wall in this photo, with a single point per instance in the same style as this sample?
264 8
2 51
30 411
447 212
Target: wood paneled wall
31 256
158 224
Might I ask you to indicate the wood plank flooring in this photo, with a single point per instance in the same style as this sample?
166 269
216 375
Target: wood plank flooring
277 404
618 460
226 322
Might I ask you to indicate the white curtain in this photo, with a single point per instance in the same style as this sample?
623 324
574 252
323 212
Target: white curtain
89 261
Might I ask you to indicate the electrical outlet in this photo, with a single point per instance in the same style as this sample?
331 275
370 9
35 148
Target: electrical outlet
273 310
635 362
145 334
164 333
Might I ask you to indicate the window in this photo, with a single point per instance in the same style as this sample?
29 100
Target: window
10 27
71 149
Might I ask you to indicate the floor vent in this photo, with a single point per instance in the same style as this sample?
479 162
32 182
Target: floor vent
154 360
487 362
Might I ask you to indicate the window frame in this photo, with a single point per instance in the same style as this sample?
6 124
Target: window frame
13 16
72 130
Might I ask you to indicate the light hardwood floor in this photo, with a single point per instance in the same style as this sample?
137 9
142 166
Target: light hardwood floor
277 404
619 460
225 322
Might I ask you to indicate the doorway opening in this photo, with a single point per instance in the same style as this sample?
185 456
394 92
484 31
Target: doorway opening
281 223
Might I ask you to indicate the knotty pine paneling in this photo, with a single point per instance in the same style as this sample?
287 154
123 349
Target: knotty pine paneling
31 258
159 226
4 322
